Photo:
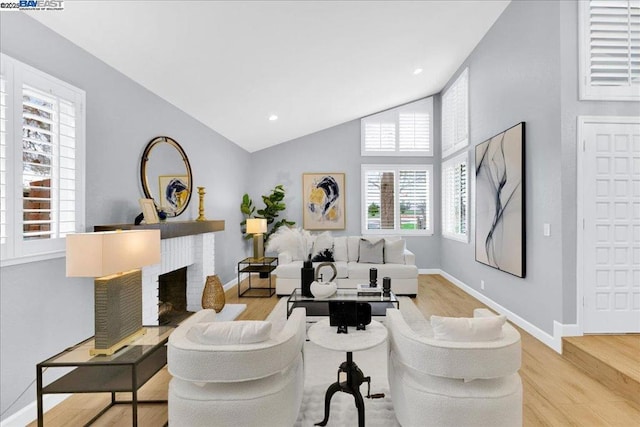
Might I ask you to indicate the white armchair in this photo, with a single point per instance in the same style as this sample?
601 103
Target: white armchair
453 383
259 383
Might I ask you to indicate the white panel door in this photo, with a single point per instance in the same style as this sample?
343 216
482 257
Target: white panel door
611 227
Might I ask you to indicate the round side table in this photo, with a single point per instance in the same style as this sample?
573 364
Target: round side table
326 336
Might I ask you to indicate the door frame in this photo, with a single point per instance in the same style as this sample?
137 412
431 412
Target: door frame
580 149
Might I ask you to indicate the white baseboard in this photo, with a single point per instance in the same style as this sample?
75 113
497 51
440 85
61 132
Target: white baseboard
553 341
429 271
230 284
561 330
29 413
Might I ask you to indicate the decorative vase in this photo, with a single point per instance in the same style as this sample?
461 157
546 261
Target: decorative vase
213 294
307 274
322 290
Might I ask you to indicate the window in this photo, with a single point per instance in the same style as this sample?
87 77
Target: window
397 199
455 115
401 131
609 50
455 206
41 162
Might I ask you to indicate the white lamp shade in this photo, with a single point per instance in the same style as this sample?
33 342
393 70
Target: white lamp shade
105 253
256 226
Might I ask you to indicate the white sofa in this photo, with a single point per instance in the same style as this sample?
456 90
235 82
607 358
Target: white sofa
454 383
350 272
259 383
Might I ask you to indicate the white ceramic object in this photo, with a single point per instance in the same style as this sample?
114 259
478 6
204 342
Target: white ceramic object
323 289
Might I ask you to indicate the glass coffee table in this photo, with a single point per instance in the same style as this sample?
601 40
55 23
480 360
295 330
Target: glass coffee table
320 306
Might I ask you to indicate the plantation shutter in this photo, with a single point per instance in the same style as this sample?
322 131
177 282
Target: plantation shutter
380 137
455 198
398 198
414 131
401 131
611 40
455 115
48 164
413 199
380 200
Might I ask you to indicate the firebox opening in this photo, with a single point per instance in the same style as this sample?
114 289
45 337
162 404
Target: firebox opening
172 296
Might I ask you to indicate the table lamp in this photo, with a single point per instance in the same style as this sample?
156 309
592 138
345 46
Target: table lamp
257 227
114 258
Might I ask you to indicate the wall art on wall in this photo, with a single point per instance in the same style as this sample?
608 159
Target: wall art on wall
500 201
323 201
174 192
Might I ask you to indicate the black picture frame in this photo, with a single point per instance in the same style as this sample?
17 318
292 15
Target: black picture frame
500 214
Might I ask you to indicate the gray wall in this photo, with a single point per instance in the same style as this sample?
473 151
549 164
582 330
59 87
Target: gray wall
42 311
526 69
514 76
336 149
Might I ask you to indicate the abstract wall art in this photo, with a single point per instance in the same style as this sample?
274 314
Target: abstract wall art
323 201
500 201
174 192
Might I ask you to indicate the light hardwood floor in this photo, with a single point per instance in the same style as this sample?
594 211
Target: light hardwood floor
556 393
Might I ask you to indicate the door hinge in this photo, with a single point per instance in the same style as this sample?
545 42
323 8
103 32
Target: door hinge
584 145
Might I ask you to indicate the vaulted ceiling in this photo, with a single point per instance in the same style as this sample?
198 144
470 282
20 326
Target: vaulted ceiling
313 64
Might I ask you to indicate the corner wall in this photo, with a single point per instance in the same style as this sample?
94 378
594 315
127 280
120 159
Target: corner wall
514 76
337 149
42 312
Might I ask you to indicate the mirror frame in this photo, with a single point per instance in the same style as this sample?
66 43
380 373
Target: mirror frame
143 169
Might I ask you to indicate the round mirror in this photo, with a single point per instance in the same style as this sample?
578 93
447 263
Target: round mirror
166 175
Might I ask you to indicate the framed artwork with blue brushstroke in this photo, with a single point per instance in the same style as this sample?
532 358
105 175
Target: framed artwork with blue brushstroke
174 192
500 201
323 201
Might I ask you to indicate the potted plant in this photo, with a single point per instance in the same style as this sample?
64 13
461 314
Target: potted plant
273 205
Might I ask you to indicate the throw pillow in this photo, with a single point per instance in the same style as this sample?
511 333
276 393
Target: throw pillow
394 251
371 252
323 248
340 252
229 333
473 329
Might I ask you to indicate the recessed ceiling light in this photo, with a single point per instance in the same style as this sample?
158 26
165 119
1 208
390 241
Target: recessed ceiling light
273 117
417 71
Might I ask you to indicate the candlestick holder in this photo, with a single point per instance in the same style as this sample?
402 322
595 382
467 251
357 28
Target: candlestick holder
201 194
373 277
386 286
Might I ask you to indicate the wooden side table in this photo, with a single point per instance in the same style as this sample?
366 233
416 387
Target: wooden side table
263 266
326 336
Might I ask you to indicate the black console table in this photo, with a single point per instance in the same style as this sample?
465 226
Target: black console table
125 371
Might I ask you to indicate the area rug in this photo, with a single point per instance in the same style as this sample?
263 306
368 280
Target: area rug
321 367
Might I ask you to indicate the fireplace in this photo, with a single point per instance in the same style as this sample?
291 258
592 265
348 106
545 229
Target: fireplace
172 297
194 256
184 244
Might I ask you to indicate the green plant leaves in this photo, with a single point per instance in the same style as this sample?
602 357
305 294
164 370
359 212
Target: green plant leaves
273 206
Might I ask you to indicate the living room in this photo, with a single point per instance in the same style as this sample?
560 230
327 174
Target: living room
525 68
